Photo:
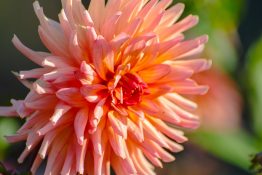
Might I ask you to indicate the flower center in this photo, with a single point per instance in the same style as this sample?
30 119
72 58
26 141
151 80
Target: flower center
130 89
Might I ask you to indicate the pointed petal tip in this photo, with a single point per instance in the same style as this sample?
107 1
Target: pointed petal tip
181 4
203 39
15 38
209 64
15 73
81 140
94 123
20 160
36 3
204 90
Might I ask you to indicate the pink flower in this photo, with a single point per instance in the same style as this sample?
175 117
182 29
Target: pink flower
220 109
110 92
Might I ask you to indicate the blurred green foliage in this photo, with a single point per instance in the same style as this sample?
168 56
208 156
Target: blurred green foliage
236 148
218 19
254 86
7 127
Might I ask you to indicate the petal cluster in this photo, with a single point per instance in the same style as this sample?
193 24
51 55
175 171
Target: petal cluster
111 91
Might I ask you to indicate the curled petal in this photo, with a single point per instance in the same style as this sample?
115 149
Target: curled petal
36 57
80 123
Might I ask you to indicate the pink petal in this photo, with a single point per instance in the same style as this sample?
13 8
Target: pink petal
71 96
97 15
173 133
93 93
103 57
181 101
118 41
36 57
60 110
70 155
80 156
118 123
183 25
99 112
117 143
8 111
197 65
34 73
80 123
154 73
108 29
172 14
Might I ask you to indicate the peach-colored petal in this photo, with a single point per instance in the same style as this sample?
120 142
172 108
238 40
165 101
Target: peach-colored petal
128 10
46 143
173 133
172 14
71 96
68 161
80 156
74 47
179 27
8 111
118 123
36 164
80 123
60 110
43 87
117 142
109 27
198 65
36 57
118 41
97 15
56 152
151 133
93 93
154 73
46 102
102 57
181 101
34 73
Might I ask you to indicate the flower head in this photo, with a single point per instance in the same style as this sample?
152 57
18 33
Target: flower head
110 92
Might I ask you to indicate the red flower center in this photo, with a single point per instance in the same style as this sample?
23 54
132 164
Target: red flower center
130 89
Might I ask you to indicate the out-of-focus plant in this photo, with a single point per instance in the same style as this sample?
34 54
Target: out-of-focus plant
254 86
7 127
219 19
222 133
257 163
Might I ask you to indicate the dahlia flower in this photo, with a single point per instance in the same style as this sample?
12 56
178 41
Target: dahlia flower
110 92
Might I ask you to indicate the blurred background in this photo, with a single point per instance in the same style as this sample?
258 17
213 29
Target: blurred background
231 131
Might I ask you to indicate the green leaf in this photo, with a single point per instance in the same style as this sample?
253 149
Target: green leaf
235 148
